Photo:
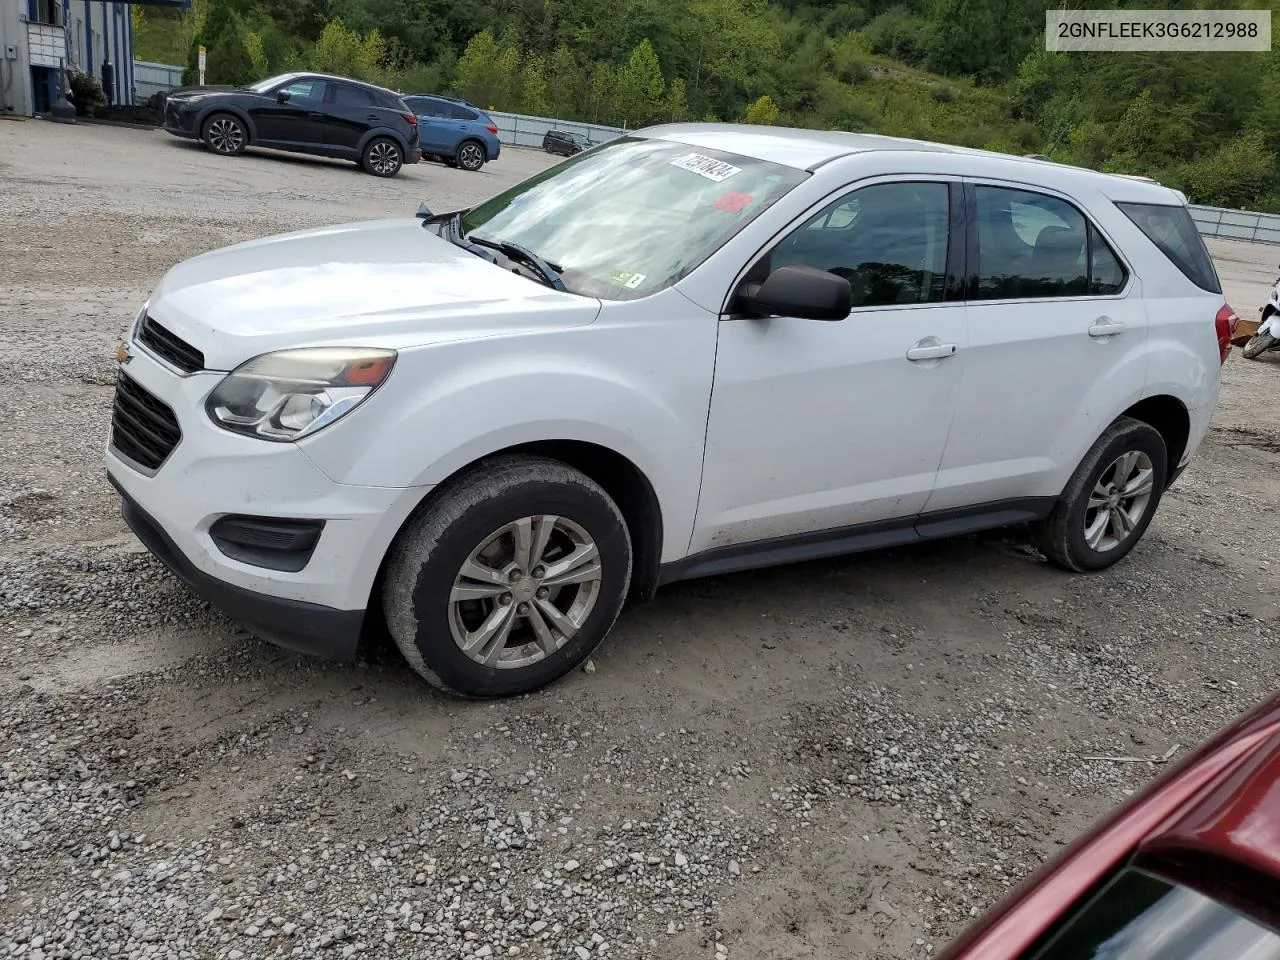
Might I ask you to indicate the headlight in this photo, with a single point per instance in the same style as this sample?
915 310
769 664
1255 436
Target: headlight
132 332
292 394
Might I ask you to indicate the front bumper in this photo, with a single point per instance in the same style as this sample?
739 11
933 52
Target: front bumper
211 473
304 627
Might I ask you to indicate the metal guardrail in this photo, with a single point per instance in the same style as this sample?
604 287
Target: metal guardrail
521 130
1237 224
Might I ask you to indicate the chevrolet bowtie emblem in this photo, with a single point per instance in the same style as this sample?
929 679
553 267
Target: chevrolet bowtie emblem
122 353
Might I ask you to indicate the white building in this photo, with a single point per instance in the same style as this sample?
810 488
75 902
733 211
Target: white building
40 37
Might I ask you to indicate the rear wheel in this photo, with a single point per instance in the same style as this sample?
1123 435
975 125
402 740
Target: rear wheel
382 157
1258 344
224 133
1109 501
509 579
471 155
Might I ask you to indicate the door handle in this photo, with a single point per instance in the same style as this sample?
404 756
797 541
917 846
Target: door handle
1105 327
317 115
930 349
373 116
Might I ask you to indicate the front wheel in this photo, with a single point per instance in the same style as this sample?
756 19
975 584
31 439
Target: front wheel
1258 344
225 134
471 156
1109 500
382 157
508 579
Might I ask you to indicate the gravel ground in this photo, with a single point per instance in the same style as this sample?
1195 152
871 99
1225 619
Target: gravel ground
840 759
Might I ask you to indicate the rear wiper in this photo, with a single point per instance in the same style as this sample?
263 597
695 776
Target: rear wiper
550 272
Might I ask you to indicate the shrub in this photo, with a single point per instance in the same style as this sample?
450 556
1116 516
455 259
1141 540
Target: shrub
86 93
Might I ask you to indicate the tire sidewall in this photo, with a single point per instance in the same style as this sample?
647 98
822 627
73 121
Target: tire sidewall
1137 436
369 150
436 577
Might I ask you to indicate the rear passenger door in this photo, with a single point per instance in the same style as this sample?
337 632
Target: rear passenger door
434 125
352 111
1056 329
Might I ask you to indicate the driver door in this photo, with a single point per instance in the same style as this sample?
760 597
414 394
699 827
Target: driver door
820 428
296 121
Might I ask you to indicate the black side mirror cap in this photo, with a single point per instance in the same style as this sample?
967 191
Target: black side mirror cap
282 96
804 292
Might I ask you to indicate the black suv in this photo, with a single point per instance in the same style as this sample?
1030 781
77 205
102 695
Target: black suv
304 113
565 143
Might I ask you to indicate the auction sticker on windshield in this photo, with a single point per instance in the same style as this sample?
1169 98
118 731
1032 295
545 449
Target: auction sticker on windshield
625 278
709 167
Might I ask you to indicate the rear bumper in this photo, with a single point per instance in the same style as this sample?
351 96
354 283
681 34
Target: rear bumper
413 156
297 625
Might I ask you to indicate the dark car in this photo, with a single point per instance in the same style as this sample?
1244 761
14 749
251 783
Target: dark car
458 133
1190 868
304 113
565 143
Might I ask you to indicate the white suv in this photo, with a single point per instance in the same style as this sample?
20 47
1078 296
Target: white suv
694 350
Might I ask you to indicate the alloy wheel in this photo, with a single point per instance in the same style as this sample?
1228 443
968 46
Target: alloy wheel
384 158
525 591
226 135
470 157
1119 501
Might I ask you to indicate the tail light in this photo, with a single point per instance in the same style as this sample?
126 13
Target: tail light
492 129
1225 325
410 119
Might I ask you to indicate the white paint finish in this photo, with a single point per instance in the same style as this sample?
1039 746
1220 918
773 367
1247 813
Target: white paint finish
637 382
811 425
383 283
213 472
817 425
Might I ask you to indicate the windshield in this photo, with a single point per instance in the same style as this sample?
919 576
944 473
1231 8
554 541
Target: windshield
262 86
633 216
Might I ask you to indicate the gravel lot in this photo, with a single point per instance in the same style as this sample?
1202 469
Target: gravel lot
841 759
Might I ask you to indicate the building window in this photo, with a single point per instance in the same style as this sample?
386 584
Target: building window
45 11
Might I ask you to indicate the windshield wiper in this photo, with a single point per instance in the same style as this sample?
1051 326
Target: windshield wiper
550 272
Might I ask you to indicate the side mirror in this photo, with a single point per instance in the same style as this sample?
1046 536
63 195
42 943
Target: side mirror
803 292
282 96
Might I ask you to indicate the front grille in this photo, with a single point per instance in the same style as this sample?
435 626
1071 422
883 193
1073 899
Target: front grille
170 347
143 427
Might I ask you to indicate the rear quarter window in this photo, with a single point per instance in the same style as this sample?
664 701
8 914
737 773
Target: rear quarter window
1172 230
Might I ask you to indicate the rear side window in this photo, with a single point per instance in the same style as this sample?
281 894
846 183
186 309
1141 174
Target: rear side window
1032 246
1171 229
347 95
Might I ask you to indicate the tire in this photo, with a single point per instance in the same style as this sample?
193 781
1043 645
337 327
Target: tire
225 134
382 157
1086 531
471 155
1258 344
471 521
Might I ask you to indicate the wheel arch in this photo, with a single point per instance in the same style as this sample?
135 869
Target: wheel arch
1169 417
617 474
238 112
379 133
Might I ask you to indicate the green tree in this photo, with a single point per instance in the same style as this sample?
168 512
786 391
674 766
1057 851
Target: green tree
1238 174
257 54
763 111
344 51
534 96
640 86
601 95
475 78
223 35
676 106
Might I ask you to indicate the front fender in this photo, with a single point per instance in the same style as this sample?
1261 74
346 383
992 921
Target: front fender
239 112
456 403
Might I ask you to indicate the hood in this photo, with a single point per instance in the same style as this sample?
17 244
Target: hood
388 283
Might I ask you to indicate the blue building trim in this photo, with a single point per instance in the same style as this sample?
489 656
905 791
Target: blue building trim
128 46
115 60
89 66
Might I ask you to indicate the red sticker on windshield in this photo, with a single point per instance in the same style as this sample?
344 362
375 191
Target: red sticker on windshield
733 202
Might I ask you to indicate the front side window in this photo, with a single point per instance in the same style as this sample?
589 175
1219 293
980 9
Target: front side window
1139 916
461 113
633 217
310 89
888 240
